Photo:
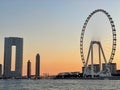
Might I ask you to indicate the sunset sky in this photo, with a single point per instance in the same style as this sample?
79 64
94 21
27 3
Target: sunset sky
52 28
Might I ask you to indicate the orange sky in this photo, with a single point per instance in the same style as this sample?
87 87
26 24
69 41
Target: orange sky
52 28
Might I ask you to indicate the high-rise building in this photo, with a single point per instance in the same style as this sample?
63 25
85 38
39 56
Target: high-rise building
37 73
9 42
28 69
0 70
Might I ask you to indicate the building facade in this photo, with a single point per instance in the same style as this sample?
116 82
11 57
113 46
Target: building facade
96 68
28 69
112 67
9 42
0 70
37 71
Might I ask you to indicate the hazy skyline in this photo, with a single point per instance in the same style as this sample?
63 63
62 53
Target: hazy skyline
52 28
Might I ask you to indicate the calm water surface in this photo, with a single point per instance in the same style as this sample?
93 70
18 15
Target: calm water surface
59 84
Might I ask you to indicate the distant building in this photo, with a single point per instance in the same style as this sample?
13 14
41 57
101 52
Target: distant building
66 75
0 70
118 72
103 66
37 71
96 68
88 69
9 42
83 69
112 67
28 69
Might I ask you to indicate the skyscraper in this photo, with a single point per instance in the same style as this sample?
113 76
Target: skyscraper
37 73
28 69
0 70
9 42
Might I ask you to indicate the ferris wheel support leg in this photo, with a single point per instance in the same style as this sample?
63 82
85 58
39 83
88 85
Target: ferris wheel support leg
103 55
99 57
92 72
85 70
108 73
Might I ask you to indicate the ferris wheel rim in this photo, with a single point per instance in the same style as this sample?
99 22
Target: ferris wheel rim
113 35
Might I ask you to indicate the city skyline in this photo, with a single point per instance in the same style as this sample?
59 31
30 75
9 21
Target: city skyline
52 28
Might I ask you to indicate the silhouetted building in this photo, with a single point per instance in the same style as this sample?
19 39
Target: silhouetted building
0 70
9 42
69 75
37 73
96 68
118 72
83 69
28 69
112 67
103 66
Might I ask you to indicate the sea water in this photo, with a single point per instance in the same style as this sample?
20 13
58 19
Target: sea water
59 84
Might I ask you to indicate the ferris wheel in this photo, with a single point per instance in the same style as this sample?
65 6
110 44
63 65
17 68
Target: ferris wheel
113 47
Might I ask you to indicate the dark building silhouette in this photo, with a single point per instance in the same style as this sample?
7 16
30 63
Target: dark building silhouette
96 68
37 73
113 67
28 69
9 42
69 75
0 70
